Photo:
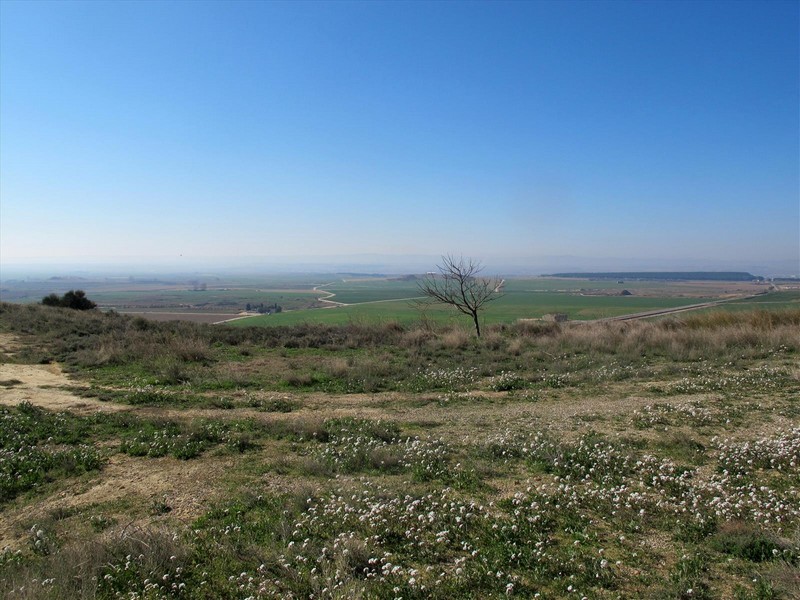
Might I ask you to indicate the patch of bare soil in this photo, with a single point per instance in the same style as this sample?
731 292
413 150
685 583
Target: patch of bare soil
42 385
9 344
185 487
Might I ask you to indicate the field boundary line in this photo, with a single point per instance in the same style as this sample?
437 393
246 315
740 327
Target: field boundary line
677 309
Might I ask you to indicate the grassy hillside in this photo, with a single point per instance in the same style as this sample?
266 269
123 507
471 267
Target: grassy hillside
604 460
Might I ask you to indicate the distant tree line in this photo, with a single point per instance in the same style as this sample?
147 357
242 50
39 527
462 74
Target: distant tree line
75 299
669 275
262 309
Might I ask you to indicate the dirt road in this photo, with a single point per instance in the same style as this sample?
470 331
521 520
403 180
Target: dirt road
669 311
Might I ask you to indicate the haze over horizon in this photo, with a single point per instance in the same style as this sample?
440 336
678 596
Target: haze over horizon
542 135
373 265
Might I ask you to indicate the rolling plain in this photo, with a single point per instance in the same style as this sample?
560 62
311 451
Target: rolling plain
400 458
348 298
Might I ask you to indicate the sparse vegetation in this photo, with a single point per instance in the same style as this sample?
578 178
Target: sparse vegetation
638 459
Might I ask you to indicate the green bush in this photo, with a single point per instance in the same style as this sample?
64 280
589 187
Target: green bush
75 299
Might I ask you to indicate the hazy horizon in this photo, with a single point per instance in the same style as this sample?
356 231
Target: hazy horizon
533 136
376 264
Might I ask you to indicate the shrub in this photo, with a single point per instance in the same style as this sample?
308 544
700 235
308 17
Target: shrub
75 299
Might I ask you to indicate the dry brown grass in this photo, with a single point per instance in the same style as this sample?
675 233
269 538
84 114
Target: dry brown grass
416 338
715 334
97 339
338 368
75 569
190 349
516 346
493 340
455 338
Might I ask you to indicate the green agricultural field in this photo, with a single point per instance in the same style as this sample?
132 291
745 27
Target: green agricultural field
177 294
516 303
788 298
217 299
774 301
401 311
381 300
507 309
352 291
371 290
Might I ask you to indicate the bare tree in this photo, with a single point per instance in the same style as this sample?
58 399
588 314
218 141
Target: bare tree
457 284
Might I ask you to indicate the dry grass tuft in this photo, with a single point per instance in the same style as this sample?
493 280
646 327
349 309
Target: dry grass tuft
416 338
74 571
455 339
338 368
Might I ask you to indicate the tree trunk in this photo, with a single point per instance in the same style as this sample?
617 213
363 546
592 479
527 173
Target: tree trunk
477 324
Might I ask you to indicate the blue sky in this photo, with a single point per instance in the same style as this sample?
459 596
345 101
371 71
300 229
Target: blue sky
150 131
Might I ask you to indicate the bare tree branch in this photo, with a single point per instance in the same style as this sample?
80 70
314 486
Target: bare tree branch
458 285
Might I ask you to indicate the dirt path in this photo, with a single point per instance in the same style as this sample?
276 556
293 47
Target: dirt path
194 317
236 318
42 385
677 309
327 298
